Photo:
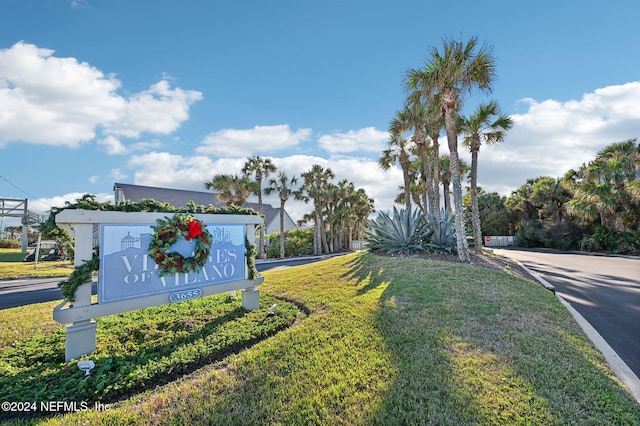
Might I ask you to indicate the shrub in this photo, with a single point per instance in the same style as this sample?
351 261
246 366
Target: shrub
298 242
405 232
528 234
11 244
564 235
606 240
443 237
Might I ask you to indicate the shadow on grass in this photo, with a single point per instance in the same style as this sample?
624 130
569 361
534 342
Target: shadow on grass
137 352
472 351
360 272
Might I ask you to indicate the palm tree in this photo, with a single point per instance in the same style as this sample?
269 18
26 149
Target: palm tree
284 187
397 151
233 190
414 117
445 178
432 121
489 125
362 207
605 189
314 187
446 78
520 204
350 208
262 167
550 196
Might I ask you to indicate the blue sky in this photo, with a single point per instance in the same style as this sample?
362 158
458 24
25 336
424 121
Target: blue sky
168 93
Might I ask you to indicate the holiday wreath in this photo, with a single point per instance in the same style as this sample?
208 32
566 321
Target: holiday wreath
169 231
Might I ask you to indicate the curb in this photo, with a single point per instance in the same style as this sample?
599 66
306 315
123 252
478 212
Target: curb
619 367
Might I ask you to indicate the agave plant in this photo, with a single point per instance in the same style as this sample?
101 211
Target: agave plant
405 232
443 236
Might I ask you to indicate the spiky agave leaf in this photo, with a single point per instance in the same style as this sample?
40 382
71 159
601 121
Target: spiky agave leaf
405 232
443 236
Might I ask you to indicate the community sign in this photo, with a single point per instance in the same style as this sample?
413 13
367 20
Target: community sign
127 271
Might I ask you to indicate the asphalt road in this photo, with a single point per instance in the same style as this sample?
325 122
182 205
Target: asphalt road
605 290
24 292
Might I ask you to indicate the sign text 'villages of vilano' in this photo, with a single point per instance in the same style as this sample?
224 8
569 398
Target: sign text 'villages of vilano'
132 272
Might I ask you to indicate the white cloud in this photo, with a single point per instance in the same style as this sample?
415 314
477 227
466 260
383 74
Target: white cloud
42 206
176 171
163 169
264 139
93 179
79 4
158 110
368 139
112 145
49 100
117 175
553 137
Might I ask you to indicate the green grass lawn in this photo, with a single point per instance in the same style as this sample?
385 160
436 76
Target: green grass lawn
12 267
386 341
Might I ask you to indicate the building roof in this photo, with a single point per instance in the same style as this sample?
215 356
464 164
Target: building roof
180 198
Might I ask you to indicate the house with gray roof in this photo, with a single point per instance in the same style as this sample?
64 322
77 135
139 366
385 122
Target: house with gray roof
180 198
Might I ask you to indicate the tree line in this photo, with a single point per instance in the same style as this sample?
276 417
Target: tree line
340 210
593 208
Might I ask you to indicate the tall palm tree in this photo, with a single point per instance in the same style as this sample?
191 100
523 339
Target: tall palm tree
262 167
361 207
233 189
284 187
314 187
397 150
447 77
486 125
333 200
433 123
350 210
414 118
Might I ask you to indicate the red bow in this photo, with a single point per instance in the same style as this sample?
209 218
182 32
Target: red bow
195 230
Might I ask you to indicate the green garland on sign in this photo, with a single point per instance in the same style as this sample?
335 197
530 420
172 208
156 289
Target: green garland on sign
252 252
167 232
82 274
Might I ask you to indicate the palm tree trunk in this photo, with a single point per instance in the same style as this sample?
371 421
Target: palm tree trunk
446 196
281 228
452 139
261 252
461 238
317 236
475 210
426 167
323 236
404 164
436 174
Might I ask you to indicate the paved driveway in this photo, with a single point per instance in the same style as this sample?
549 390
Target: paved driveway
605 290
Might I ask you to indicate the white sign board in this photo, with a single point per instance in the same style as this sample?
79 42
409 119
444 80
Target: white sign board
132 273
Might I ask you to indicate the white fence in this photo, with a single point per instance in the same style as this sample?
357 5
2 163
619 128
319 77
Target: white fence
499 241
358 245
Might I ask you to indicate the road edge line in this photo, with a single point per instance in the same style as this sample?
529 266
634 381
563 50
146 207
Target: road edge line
617 364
